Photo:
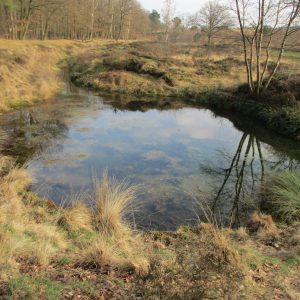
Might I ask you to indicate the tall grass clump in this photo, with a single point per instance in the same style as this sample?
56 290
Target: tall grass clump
113 200
116 243
281 196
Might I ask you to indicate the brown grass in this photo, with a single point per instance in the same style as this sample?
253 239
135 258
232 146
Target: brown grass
125 253
147 68
35 231
77 217
29 70
263 226
191 263
113 200
28 73
22 236
197 264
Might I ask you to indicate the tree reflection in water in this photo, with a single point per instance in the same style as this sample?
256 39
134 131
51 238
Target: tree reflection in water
28 135
246 169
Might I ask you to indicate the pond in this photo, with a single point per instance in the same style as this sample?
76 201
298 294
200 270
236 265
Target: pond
179 157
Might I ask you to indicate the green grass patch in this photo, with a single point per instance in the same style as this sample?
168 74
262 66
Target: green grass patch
287 54
26 287
63 260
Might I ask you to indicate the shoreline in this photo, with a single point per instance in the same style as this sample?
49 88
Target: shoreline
53 252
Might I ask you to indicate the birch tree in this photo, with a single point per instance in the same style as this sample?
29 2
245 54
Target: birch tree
94 6
253 16
168 14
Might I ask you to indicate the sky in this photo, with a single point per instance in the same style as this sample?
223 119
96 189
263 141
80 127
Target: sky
182 6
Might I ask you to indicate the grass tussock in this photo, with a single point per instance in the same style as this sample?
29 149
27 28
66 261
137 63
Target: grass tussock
113 200
281 197
126 253
77 217
263 226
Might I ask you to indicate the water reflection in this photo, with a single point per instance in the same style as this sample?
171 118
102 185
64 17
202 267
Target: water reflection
168 151
239 178
28 136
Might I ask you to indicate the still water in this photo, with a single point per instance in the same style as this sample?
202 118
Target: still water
178 157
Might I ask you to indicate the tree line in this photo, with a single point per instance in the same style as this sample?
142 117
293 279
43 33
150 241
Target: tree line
72 19
113 19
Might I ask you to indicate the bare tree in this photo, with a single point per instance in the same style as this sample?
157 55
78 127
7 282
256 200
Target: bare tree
94 5
72 19
47 10
168 13
253 17
212 18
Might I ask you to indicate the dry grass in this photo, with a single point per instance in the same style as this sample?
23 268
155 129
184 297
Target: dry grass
192 263
77 217
28 73
113 200
263 226
22 237
146 68
125 253
101 253
241 234
34 231
29 70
